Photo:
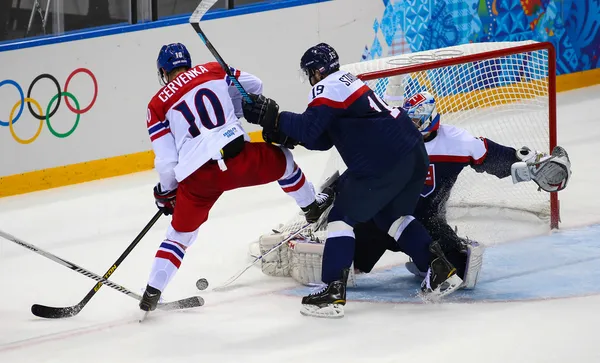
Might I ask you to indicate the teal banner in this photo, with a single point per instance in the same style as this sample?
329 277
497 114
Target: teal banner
408 26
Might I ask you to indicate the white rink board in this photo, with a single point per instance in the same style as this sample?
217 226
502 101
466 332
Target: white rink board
268 44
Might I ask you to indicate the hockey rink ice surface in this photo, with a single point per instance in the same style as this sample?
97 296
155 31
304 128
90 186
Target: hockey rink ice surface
537 300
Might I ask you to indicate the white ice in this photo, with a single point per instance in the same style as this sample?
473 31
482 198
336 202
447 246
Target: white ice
92 223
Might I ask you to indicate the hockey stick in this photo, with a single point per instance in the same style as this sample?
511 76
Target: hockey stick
50 312
189 302
202 8
317 225
236 276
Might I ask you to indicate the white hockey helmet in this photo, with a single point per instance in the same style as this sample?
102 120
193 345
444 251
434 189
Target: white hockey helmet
421 110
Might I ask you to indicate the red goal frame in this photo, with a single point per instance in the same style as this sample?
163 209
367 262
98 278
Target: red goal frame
433 64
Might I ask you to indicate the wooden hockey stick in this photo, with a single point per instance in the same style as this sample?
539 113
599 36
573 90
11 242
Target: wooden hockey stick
189 302
197 15
50 312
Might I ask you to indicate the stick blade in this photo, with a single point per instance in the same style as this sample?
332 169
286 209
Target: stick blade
202 8
187 303
49 312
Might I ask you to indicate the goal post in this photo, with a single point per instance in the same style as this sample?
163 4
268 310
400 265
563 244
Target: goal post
504 91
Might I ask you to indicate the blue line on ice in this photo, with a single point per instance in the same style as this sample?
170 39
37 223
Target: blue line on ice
560 265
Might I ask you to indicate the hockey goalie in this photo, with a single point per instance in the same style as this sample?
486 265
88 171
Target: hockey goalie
301 257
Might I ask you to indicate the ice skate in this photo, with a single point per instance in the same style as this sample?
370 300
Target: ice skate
323 200
329 302
149 301
441 278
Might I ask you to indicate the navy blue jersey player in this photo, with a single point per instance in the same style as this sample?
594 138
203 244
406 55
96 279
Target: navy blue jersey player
387 167
450 150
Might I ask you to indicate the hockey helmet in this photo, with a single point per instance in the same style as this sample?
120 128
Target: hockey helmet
421 110
322 58
172 56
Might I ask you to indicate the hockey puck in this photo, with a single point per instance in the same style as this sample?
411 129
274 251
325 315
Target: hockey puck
202 284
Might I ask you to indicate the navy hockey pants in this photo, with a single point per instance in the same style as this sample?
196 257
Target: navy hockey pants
383 199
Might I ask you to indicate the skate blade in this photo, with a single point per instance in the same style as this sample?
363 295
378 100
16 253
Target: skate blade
143 316
449 286
331 311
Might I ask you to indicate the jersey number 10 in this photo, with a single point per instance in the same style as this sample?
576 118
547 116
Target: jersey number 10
203 113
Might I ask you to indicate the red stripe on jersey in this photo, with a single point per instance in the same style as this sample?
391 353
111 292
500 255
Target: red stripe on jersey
482 158
183 83
169 256
159 134
449 159
296 186
337 104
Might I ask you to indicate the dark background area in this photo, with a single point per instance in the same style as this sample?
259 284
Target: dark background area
82 14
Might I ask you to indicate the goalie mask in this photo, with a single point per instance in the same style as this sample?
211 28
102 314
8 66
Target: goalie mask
422 112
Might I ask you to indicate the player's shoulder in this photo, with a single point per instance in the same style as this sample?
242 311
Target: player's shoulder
454 133
453 141
460 141
183 82
336 87
213 67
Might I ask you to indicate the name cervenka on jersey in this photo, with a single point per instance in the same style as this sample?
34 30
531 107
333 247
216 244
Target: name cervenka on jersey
172 87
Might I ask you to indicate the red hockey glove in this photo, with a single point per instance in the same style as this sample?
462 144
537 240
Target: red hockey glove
165 200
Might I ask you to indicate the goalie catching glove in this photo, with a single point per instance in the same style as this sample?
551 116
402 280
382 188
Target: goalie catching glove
550 172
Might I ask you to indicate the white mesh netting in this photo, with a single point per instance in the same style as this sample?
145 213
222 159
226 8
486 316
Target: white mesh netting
504 98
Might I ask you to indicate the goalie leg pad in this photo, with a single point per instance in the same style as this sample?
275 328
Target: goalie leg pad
306 260
474 263
278 262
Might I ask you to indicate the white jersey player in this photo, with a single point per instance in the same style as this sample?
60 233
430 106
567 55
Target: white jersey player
202 151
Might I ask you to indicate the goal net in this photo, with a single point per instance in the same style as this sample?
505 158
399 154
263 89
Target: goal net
503 91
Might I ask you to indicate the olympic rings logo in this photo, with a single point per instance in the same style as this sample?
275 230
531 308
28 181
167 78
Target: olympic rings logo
50 110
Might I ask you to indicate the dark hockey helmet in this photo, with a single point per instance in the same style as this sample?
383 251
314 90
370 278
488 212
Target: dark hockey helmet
172 56
321 58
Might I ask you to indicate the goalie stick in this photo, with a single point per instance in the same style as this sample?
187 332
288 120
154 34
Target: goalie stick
236 276
50 312
197 15
317 225
186 303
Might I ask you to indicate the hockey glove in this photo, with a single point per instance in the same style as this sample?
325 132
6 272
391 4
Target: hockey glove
262 111
165 200
550 172
274 137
